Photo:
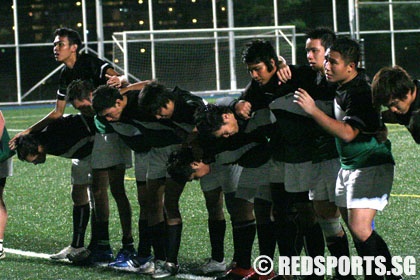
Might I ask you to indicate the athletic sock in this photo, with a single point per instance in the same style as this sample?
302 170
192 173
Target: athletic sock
158 240
243 238
374 246
1 245
103 235
338 246
145 241
266 239
315 243
287 239
173 242
80 220
217 229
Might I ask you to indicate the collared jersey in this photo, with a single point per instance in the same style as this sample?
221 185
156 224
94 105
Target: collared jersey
353 105
87 68
70 136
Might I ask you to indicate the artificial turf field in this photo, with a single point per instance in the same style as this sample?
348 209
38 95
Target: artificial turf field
40 222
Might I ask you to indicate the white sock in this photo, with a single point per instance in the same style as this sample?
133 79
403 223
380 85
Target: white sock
1 245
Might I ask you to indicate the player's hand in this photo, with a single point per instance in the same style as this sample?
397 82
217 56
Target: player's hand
283 73
304 100
12 142
114 81
243 109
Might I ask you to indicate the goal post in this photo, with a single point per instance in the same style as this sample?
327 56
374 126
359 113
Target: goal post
204 61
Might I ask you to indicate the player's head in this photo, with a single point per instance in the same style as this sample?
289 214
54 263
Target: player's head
108 102
79 94
318 40
157 100
183 166
28 148
393 87
67 43
216 121
261 60
341 60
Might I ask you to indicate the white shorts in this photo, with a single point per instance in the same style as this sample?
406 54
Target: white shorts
109 150
324 178
158 158
298 176
368 187
254 183
81 171
141 160
225 176
6 168
276 171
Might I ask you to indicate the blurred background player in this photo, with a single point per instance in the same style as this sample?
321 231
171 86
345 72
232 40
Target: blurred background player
6 170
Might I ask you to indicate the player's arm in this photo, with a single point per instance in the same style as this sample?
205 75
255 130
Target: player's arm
336 128
115 79
58 112
135 86
388 117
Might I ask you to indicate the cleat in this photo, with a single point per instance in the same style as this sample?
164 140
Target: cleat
66 251
95 257
124 255
134 264
148 267
212 266
238 273
164 269
2 254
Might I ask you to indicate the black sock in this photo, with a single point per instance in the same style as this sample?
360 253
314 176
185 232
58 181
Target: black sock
158 240
243 237
338 246
173 242
266 239
80 220
287 239
375 246
102 228
145 241
315 243
93 231
217 229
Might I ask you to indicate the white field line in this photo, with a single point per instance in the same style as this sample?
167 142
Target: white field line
47 256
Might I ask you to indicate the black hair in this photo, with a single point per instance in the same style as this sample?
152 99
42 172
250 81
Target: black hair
105 97
258 51
27 145
79 90
179 164
153 97
209 118
72 35
391 83
325 34
348 48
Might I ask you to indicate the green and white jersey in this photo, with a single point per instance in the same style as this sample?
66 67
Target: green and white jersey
353 105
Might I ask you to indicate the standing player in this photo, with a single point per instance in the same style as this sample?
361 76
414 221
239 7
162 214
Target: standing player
393 87
324 163
367 167
109 156
6 169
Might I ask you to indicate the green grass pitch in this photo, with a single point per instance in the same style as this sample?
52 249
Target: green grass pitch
39 206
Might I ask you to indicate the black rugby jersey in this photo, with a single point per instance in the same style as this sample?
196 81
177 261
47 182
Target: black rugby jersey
70 136
87 67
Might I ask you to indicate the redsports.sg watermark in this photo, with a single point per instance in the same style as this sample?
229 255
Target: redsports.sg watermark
303 265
